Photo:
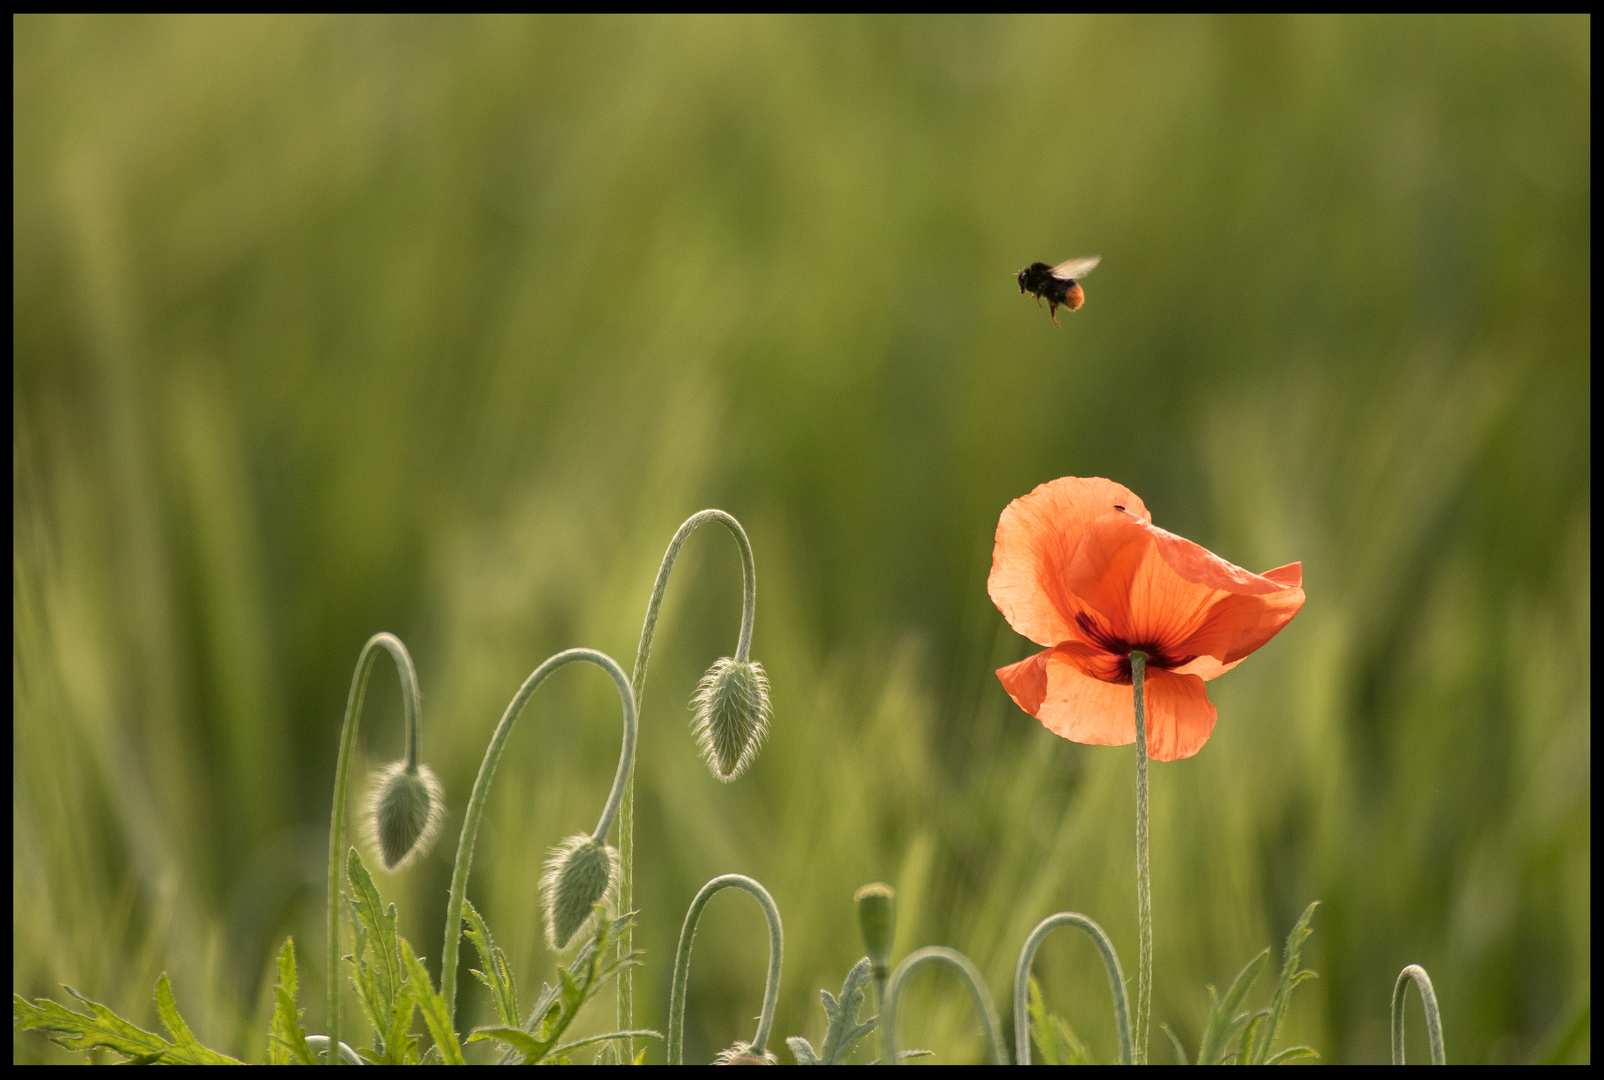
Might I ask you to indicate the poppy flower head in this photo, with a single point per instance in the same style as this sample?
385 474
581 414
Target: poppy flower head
1079 567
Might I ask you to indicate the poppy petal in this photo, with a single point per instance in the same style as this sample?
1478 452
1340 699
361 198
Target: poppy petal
1179 714
1086 710
1198 564
1037 535
1162 591
1094 662
1238 625
1026 681
1206 667
1118 572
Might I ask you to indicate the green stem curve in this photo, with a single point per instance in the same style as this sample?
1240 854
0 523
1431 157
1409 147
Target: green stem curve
743 648
682 963
1116 983
481 791
1428 1002
932 954
411 705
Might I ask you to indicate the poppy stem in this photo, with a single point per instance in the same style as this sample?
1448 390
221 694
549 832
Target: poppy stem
643 654
342 782
1144 899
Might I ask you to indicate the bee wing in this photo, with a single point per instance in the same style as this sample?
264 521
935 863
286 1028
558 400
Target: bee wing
1075 268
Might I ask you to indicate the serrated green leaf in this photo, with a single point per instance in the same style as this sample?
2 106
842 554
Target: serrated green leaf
1246 1049
1071 1051
524 1043
186 1050
400 1045
802 1050
287 1041
98 1029
1041 1029
1291 976
432 1006
375 930
1175 1044
1055 1040
1224 1022
583 978
496 973
1292 1053
843 1032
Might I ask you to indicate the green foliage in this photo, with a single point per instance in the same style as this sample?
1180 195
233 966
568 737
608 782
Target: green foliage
286 1040
1055 1040
1220 1044
494 970
377 971
433 1007
539 1038
842 1030
101 1029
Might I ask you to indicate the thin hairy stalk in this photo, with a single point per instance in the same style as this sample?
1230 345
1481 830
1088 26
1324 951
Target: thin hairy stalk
743 648
481 791
682 962
1144 899
940 954
410 707
1428 1002
1116 983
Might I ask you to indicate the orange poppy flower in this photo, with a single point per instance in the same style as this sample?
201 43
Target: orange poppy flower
1080 568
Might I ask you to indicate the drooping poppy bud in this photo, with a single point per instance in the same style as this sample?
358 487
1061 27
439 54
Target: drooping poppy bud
581 872
877 918
731 715
405 810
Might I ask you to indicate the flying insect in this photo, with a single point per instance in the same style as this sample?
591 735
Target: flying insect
1058 284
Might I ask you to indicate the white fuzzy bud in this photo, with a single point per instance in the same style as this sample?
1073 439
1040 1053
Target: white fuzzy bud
404 812
731 716
581 872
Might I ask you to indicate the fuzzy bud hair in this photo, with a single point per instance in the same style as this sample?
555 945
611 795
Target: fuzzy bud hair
404 813
581 873
730 716
743 1054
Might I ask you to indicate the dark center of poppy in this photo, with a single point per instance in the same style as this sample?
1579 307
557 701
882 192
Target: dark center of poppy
1157 655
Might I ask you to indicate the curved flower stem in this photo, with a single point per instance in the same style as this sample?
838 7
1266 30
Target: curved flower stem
481 790
410 707
682 962
743 648
1428 1001
1144 898
1116 983
932 954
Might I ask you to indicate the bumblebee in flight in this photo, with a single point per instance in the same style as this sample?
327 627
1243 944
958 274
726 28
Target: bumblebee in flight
1059 284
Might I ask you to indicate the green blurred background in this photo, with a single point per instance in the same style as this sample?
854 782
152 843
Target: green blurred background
324 326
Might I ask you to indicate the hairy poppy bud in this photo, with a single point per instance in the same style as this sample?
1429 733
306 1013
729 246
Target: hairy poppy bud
743 1054
579 874
877 918
731 717
404 813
